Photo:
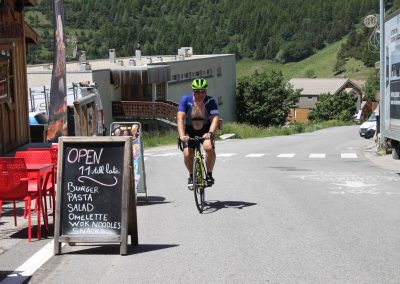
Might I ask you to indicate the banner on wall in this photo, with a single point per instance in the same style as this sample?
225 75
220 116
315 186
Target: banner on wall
57 125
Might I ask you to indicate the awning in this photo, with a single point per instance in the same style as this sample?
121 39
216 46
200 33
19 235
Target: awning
141 76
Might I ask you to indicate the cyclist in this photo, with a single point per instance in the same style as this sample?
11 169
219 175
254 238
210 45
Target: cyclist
198 116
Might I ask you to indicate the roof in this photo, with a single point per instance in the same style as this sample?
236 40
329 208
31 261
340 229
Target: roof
122 63
319 86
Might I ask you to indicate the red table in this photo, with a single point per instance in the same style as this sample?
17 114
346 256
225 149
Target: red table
40 170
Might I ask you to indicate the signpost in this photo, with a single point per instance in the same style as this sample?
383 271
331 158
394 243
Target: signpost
94 200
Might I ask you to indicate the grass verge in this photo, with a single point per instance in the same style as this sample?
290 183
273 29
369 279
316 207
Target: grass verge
242 131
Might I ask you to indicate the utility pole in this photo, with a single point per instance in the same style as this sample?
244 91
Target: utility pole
382 66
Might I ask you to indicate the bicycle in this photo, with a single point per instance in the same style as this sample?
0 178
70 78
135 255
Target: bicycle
199 172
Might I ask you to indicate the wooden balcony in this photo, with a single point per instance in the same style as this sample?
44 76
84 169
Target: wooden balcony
145 110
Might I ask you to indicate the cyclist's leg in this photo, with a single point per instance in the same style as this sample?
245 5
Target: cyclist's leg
209 155
188 155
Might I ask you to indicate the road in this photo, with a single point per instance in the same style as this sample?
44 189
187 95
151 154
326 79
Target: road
306 208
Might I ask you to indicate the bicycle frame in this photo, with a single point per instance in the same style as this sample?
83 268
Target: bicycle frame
200 157
199 172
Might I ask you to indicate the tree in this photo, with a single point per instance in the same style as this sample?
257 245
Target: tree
340 107
265 100
372 85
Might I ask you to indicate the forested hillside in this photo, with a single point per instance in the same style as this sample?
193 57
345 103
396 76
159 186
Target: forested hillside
286 30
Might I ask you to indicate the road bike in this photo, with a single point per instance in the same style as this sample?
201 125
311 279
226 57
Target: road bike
199 172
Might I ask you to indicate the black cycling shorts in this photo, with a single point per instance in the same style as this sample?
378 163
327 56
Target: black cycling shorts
192 133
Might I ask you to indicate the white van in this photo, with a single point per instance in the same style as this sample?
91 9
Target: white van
368 128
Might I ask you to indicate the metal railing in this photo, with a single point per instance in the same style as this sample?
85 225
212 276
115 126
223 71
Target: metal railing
148 110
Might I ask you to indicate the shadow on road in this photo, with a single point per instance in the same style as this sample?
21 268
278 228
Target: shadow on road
19 233
112 249
151 200
9 212
215 205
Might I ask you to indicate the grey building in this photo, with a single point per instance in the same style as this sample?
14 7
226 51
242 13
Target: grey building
148 88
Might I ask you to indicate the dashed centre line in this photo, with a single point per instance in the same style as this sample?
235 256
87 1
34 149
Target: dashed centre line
259 155
254 155
226 154
286 155
348 155
317 156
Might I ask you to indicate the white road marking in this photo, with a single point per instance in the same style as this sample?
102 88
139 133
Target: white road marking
354 184
254 155
226 155
166 154
317 156
348 155
27 269
285 155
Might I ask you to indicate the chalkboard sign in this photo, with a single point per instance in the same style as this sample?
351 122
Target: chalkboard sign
94 203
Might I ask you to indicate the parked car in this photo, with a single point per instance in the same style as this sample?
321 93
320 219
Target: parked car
38 118
368 128
38 126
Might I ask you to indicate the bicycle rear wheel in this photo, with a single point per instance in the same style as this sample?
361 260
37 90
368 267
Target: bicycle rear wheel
199 184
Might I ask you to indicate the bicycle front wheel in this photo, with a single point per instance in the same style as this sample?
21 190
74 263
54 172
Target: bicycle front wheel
199 184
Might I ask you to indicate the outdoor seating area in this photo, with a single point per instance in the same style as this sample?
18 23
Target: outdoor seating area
30 176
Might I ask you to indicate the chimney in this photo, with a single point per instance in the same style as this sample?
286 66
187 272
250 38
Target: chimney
112 55
138 54
82 58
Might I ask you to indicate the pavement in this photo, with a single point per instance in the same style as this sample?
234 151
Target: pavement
380 158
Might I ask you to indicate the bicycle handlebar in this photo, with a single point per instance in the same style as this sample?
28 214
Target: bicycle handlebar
195 139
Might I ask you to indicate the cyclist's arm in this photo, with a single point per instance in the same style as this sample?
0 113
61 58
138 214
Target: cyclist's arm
213 127
214 123
181 119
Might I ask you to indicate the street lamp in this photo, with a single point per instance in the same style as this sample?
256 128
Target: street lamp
382 66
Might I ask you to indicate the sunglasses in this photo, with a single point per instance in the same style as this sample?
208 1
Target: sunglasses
200 91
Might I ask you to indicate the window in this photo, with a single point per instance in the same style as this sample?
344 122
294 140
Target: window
147 95
219 100
161 91
219 71
6 75
3 78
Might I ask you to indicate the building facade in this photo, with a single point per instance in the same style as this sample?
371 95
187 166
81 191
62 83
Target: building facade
149 88
311 89
15 34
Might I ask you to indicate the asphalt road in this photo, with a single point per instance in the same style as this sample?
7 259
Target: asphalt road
307 208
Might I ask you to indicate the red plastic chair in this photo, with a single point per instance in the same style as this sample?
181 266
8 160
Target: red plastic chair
54 157
4 183
42 157
3 179
15 185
